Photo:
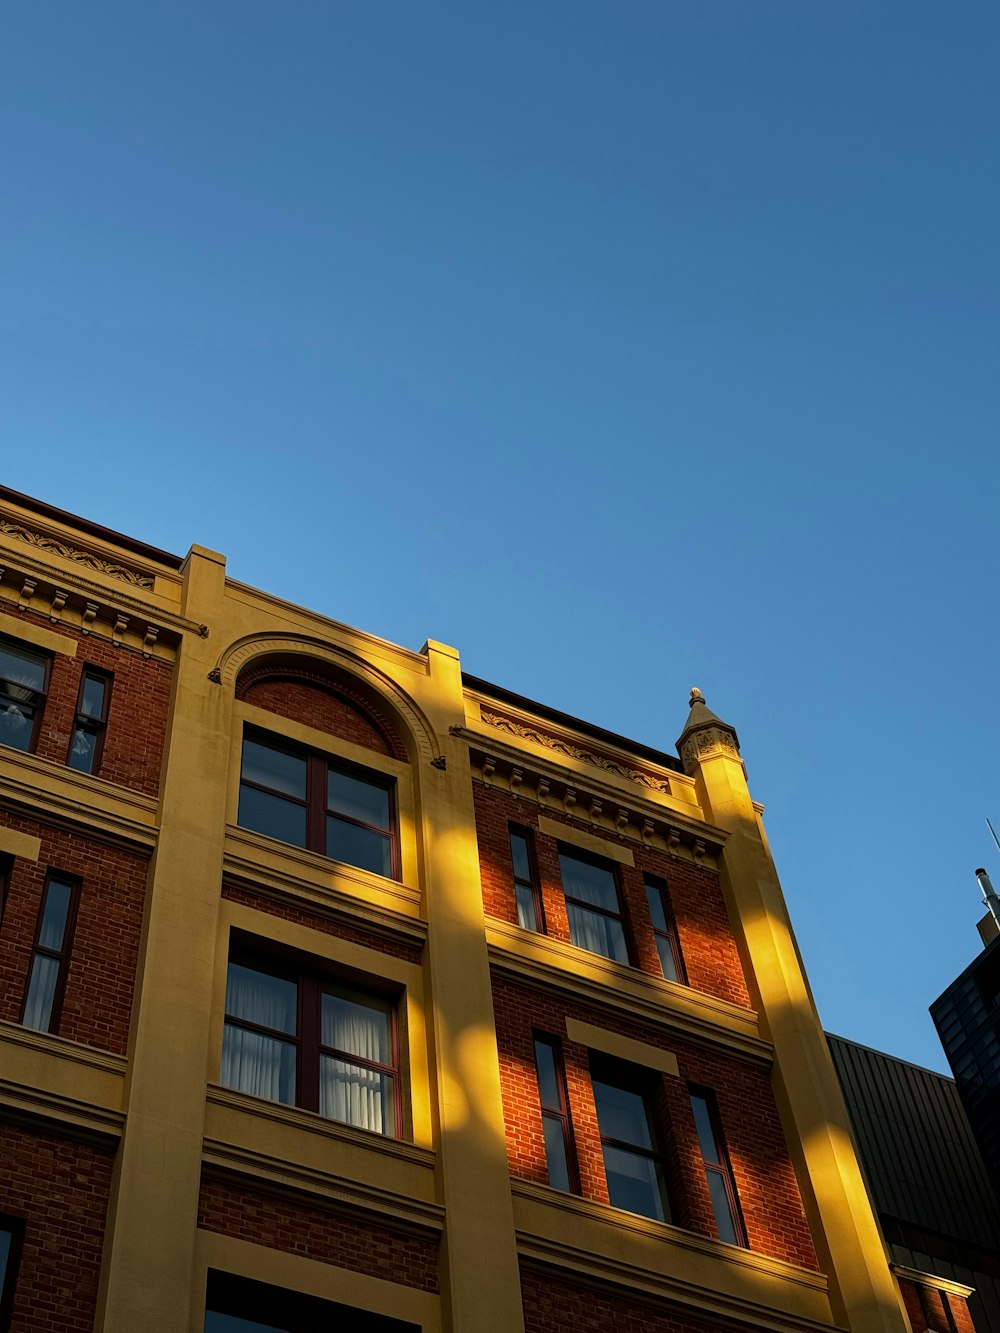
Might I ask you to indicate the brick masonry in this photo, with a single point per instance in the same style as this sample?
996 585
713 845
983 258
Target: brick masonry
765 1181
60 1190
137 715
307 1229
554 1306
105 946
325 709
929 1308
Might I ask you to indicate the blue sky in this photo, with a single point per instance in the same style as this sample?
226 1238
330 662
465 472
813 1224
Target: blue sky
627 346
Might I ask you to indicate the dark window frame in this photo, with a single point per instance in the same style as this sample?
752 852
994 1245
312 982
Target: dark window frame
560 1112
318 765
250 1299
87 722
721 1167
310 985
60 956
40 696
533 884
575 853
6 874
15 1228
640 1083
654 884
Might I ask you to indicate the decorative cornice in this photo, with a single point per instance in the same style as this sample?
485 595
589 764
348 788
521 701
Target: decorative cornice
593 757
699 745
32 537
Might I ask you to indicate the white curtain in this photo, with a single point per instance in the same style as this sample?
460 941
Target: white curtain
352 1092
252 1062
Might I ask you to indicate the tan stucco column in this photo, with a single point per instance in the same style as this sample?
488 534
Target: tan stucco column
149 1245
481 1290
864 1295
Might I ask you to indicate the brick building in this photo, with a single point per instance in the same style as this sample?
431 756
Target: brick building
339 989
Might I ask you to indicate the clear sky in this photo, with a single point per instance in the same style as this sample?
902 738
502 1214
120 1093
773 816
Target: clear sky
626 345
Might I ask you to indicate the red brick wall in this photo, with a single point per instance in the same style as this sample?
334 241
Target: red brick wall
399 949
765 1180
61 1190
137 718
325 710
551 1306
105 947
929 1308
703 927
311 1231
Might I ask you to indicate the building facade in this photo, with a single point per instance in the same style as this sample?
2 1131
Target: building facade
339 989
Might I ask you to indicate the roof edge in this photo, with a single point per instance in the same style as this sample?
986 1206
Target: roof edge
92 529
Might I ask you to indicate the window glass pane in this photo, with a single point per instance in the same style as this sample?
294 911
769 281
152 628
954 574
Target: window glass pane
273 768
273 816
259 997
358 1025
520 857
41 993
703 1124
622 1114
633 1183
655 900
53 928
591 884
356 1095
721 1207
548 1078
262 1066
361 847
599 934
16 723
92 702
555 1153
83 750
526 915
19 667
6 1240
366 801
230 1323
668 964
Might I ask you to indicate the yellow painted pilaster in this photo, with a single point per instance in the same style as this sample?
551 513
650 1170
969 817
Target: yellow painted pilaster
150 1241
481 1289
864 1296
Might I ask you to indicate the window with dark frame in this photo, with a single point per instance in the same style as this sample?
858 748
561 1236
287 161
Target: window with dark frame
324 805
24 681
527 889
87 743
244 1305
718 1171
11 1237
665 930
301 1038
559 1155
633 1160
43 996
593 906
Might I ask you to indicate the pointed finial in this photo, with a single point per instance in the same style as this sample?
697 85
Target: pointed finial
702 732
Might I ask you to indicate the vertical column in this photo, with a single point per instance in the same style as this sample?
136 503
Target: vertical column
149 1247
481 1289
863 1293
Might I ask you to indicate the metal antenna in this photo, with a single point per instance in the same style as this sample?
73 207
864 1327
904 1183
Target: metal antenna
994 832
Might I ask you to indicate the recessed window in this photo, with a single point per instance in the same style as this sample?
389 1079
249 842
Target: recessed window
50 955
23 682
241 1305
664 930
592 906
555 1114
305 1040
311 801
11 1234
526 887
718 1172
90 722
633 1161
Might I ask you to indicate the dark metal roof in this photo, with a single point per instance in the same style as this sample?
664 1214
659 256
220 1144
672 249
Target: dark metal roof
916 1147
